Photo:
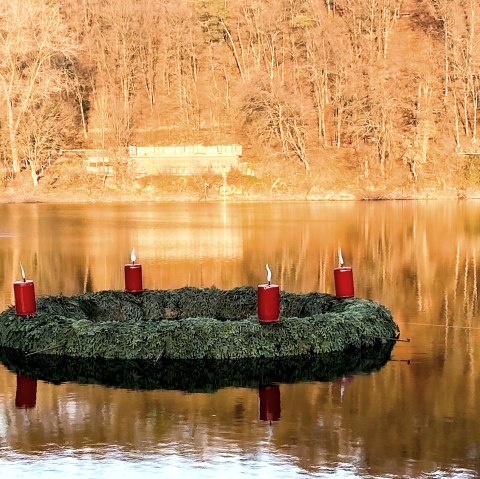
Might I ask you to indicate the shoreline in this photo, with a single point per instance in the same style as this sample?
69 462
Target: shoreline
73 186
68 197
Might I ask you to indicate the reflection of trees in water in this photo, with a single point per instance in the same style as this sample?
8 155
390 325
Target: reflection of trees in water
396 249
402 254
466 282
419 259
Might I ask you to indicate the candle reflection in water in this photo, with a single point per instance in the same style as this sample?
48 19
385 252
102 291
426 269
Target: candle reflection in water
26 392
344 381
270 408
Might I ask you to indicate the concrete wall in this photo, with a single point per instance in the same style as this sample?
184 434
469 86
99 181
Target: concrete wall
173 160
184 160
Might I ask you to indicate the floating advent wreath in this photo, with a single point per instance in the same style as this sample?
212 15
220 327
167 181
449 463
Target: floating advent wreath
195 323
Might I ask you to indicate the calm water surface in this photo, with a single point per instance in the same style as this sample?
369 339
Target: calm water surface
418 416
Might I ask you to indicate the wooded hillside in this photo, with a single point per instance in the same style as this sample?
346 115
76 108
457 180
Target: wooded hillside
384 89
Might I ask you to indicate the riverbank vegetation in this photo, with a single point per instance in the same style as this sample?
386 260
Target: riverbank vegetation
329 98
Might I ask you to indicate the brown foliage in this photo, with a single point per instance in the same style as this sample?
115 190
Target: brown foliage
382 81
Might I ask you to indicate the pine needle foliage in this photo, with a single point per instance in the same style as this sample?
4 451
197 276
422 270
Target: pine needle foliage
195 323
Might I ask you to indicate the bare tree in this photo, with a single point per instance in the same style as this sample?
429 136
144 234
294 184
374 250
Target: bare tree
32 36
150 39
460 23
185 49
318 63
78 82
346 82
444 14
370 23
44 130
277 123
331 6
115 39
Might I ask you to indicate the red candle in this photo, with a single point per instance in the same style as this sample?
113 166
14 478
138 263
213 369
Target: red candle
344 282
133 276
26 393
270 408
24 292
268 298
343 279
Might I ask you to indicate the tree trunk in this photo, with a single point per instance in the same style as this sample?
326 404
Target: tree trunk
475 107
13 139
447 73
234 51
82 115
457 133
33 172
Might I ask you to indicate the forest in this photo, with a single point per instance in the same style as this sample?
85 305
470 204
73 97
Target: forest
372 93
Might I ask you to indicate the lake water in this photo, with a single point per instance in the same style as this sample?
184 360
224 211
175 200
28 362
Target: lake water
417 416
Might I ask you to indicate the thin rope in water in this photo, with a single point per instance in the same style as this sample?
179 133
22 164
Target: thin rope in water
444 326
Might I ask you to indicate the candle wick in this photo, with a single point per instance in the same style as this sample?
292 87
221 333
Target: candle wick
24 280
268 282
